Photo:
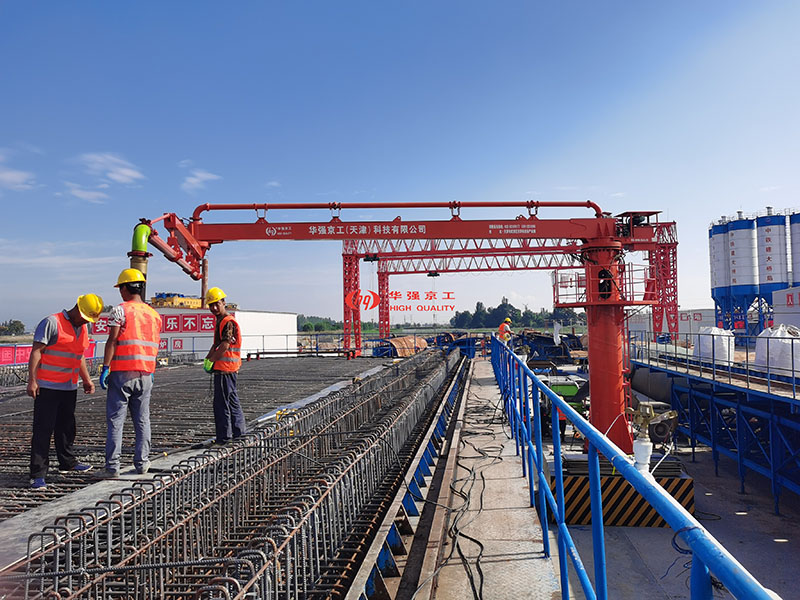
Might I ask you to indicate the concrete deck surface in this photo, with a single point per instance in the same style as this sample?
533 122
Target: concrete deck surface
640 560
490 503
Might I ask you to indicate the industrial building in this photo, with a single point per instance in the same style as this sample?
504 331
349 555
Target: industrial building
751 258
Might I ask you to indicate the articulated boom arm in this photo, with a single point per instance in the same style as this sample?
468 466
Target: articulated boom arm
597 244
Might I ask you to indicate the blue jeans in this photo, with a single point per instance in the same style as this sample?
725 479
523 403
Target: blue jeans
228 415
128 390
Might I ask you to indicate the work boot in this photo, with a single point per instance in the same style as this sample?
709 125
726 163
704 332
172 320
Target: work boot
106 473
76 468
143 469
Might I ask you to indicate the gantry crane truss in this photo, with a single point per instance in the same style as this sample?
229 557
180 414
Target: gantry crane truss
596 245
455 256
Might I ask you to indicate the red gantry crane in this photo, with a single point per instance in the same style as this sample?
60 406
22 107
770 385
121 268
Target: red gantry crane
596 245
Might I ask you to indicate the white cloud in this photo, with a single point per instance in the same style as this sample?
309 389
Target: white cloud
30 148
197 180
273 184
617 195
14 179
186 163
770 188
111 166
103 186
93 196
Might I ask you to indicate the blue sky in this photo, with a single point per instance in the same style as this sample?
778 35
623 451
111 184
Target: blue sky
114 111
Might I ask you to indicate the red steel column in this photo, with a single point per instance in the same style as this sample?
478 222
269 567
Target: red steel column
605 315
355 282
346 328
384 327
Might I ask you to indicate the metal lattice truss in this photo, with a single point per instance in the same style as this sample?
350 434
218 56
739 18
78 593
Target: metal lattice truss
461 264
396 248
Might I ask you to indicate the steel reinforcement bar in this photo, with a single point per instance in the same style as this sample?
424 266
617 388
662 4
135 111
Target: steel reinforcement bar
282 513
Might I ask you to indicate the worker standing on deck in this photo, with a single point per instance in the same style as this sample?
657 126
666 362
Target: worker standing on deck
224 360
128 366
504 331
56 361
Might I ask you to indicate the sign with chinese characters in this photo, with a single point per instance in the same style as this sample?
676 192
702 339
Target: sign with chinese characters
177 344
368 299
172 323
207 322
20 353
190 323
100 326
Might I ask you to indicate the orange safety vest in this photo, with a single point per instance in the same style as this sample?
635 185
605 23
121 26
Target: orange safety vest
232 359
503 331
61 362
137 344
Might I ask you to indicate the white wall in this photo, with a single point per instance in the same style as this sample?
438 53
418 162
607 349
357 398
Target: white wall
689 320
786 306
261 330
267 331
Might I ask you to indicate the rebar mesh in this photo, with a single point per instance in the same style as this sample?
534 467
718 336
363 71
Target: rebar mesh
280 514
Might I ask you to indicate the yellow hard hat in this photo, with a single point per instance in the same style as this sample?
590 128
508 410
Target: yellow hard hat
214 295
90 306
508 320
129 276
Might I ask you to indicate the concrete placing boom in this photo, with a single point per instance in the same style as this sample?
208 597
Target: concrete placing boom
599 243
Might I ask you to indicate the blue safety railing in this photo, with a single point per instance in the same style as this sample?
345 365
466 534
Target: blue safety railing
522 407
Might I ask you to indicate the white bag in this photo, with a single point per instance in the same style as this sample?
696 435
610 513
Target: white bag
713 343
774 349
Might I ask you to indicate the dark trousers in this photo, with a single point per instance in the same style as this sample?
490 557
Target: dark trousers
228 415
53 416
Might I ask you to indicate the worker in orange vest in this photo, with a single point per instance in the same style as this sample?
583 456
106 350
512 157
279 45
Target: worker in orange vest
562 424
504 331
224 360
128 366
56 361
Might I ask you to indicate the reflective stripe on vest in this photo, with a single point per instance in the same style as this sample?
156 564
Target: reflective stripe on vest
61 361
232 359
137 344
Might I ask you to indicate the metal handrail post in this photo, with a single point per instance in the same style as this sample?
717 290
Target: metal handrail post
515 373
560 512
598 541
700 584
537 421
528 439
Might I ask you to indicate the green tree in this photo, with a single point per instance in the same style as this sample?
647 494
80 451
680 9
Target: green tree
307 327
480 316
461 320
12 327
320 326
564 315
505 310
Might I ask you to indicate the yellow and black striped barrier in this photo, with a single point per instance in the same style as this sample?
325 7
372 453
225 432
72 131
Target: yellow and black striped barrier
623 506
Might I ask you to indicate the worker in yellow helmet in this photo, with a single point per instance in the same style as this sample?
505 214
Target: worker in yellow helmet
504 331
129 361
223 360
57 361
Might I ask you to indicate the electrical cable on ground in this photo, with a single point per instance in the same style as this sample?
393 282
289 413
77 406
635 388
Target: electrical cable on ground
477 422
